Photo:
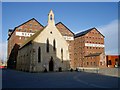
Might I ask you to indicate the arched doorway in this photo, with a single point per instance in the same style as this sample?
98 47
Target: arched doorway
51 64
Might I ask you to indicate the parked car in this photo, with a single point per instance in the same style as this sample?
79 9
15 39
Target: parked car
2 66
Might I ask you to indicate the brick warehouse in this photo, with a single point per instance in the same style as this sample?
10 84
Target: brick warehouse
86 49
89 49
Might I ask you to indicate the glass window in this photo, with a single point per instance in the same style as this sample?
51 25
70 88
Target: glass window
109 62
62 54
39 54
47 46
54 45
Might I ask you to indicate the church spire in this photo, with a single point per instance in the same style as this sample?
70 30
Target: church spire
51 18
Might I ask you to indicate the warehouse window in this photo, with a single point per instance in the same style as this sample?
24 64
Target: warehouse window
22 33
30 25
30 30
39 54
87 63
47 46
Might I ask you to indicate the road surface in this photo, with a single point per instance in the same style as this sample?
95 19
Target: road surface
19 79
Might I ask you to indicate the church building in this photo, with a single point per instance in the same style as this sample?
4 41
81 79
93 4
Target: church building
47 48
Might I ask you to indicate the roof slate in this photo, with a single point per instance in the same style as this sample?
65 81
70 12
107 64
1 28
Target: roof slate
31 38
85 32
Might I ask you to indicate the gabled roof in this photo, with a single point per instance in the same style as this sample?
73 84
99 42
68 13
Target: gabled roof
94 54
85 32
64 26
31 38
23 24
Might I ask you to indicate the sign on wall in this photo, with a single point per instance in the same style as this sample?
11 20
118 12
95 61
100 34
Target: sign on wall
26 34
68 38
94 45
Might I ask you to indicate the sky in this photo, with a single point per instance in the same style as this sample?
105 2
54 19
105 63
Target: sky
77 17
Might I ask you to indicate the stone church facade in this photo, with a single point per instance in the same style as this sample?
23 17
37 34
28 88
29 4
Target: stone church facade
45 49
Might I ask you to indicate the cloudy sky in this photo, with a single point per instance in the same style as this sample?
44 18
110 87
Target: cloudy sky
76 16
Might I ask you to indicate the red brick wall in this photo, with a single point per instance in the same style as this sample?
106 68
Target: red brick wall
32 25
112 58
64 30
79 50
92 61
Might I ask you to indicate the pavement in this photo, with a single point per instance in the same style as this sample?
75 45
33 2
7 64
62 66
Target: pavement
19 79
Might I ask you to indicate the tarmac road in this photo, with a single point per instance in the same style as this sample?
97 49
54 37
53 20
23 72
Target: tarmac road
19 79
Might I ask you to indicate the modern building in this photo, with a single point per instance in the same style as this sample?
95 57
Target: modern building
54 47
113 60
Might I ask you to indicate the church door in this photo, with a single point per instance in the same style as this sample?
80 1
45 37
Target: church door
51 65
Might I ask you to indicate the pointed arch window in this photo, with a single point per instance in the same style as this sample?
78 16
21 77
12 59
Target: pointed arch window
47 46
54 45
39 54
62 54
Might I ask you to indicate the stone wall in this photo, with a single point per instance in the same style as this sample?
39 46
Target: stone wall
104 71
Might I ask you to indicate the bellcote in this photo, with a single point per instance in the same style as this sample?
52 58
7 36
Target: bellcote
51 18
